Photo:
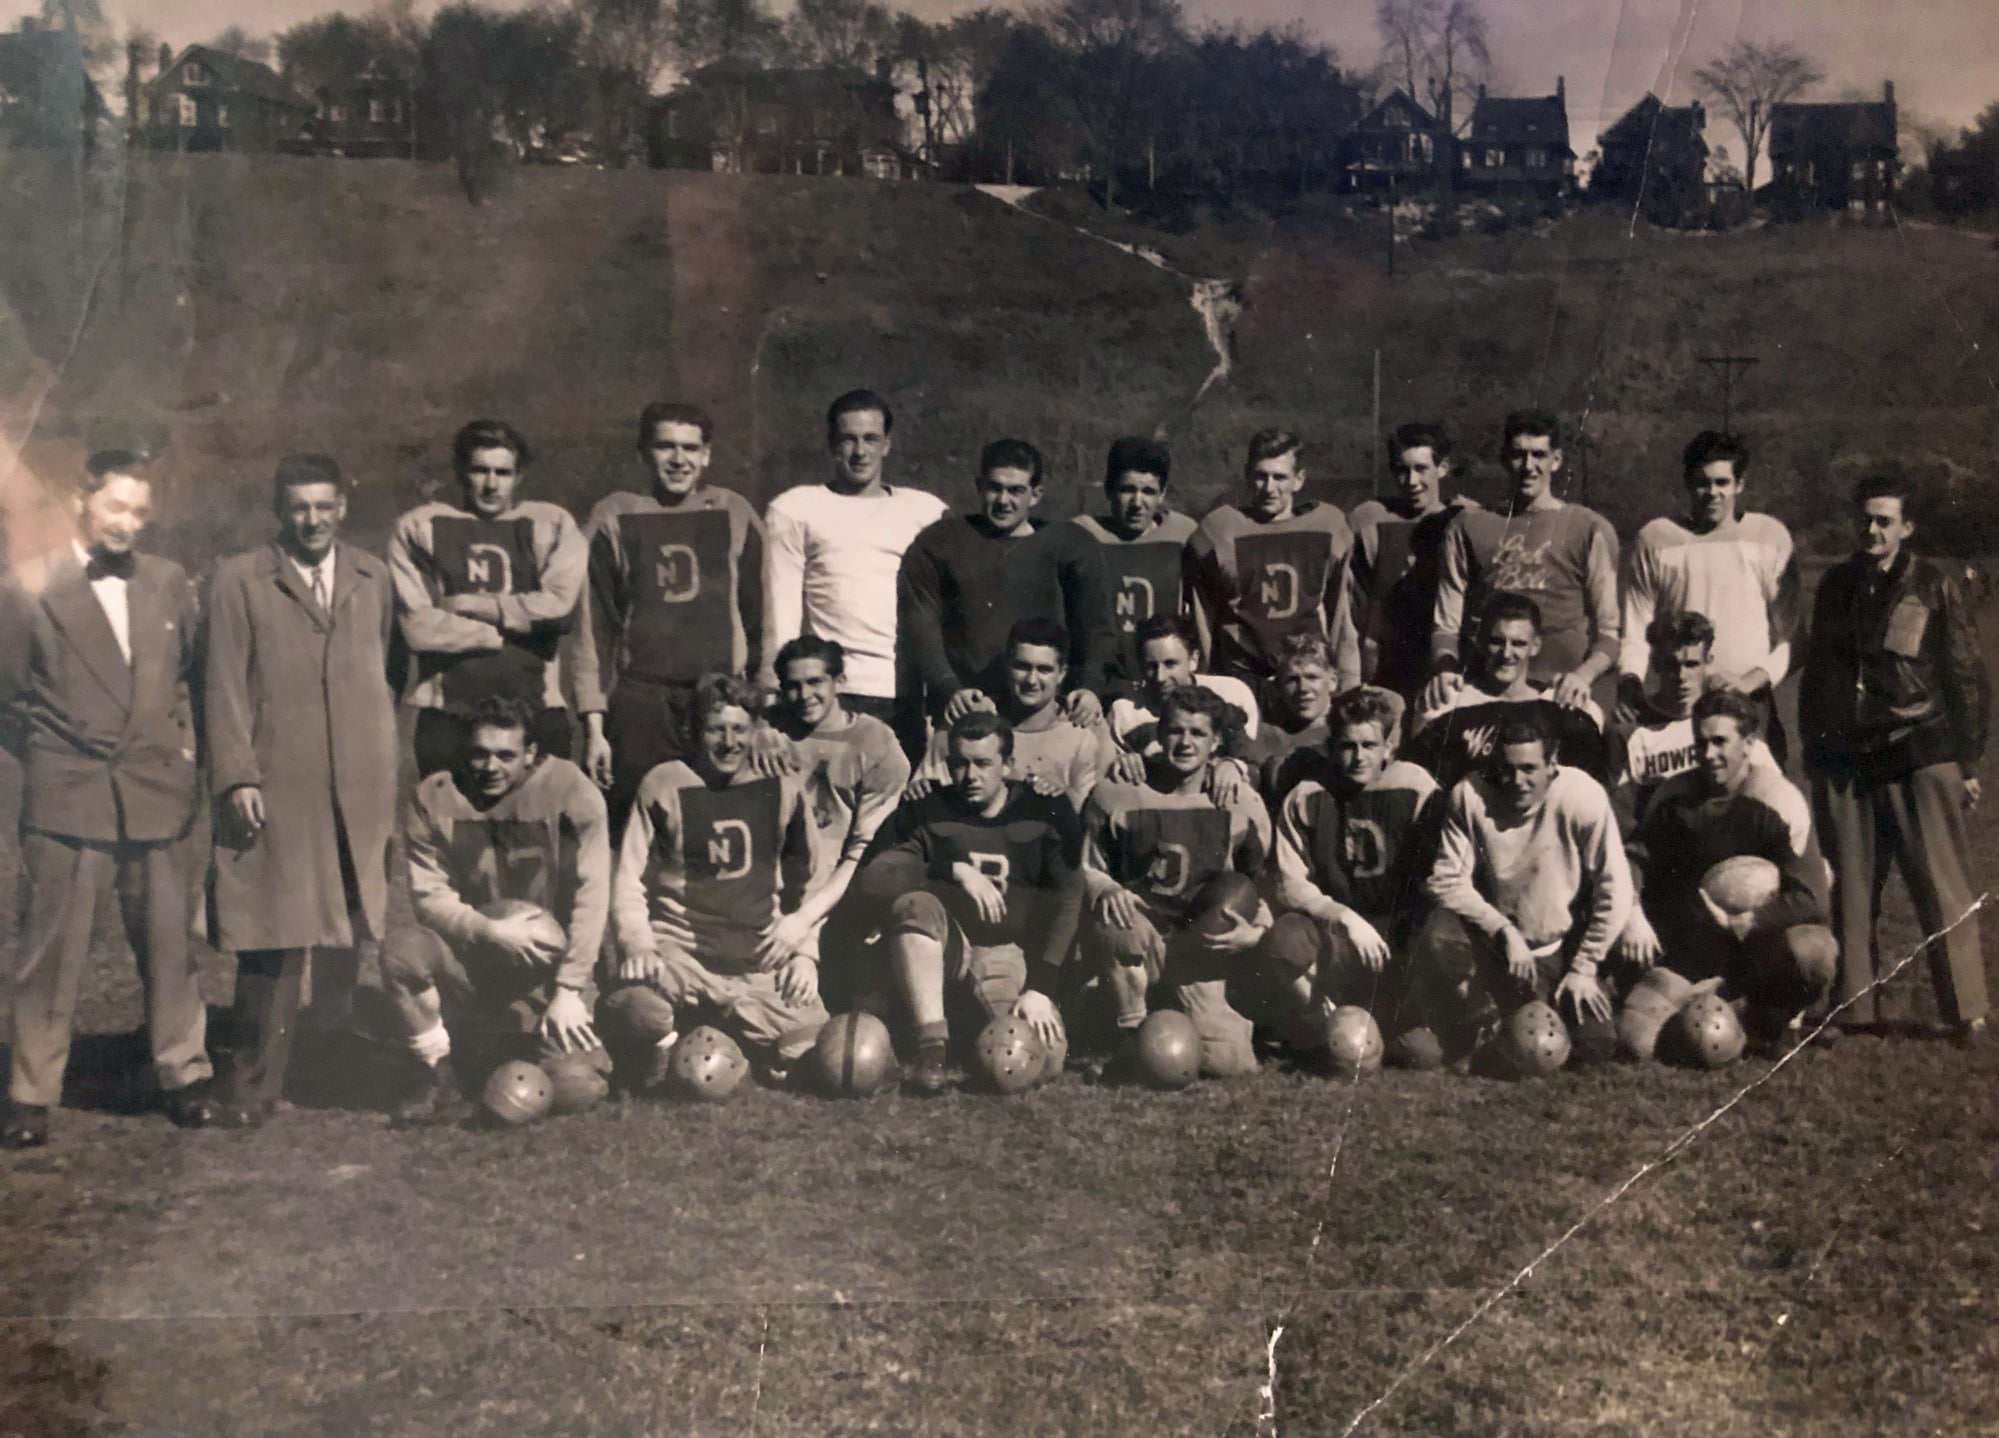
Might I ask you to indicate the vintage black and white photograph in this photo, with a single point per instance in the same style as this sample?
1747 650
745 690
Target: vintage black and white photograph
1258 718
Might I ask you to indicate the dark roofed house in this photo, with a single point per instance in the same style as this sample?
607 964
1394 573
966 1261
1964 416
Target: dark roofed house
1519 147
1394 145
367 115
209 99
1655 155
46 95
1841 156
742 119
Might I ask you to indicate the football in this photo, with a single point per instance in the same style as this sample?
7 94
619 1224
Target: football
1169 1050
1008 1057
1353 1041
578 1081
547 928
518 1092
1224 901
707 1066
1741 885
1418 1048
853 1057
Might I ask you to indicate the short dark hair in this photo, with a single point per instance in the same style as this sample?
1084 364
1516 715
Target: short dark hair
1677 631
855 401
1531 421
1366 705
1727 704
502 711
1011 454
1523 726
1042 633
1890 481
1193 699
715 692
984 724
662 411
299 469
1136 453
1168 626
811 646
488 434
1271 444
1711 446
1506 605
98 469
1420 435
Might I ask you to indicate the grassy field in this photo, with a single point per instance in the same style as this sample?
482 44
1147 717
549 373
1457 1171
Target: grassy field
1819 1260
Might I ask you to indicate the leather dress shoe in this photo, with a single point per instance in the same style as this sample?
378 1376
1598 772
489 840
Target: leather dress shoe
190 1107
240 1115
26 1126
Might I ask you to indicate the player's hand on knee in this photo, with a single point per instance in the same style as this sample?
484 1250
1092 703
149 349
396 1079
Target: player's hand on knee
597 760
567 1024
985 895
1038 1012
640 968
1584 996
1519 958
1639 943
1084 708
1117 908
1128 767
798 980
1365 939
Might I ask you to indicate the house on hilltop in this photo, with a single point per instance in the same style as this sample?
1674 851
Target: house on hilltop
737 118
1518 147
208 99
1841 156
1655 155
1392 146
368 115
46 95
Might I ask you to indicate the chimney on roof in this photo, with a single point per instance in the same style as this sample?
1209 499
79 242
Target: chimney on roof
1561 87
30 24
1888 91
1481 89
166 57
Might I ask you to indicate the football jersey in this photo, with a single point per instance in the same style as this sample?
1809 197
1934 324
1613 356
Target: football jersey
532 559
547 843
1255 583
675 592
1398 558
1564 558
1657 748
853 778
1454 740
1363 849
1146 577
1688 830
1741 575
733 854
1165 846
1056 752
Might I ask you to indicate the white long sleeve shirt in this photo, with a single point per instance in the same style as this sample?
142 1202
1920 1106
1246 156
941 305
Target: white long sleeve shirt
1742 575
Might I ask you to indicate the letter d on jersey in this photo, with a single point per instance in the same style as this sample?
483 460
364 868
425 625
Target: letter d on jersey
1134 602
677 573
1167 873
729 849
487 570
1279 588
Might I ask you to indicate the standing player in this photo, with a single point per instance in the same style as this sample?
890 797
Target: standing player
675 591
97 661
981 891
1893 706
968 576
1272 567
715 857
1398 560
301 733
1560 555
485 590
1533 888
1143 541
1150 849
1459 735
1301 696
505 823
1735 568
1656 742
1050 751
835 549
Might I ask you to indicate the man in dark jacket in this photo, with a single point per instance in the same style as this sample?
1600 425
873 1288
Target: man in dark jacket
1893 706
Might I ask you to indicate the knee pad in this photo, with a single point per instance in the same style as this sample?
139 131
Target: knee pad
920 911
638 1011
412 957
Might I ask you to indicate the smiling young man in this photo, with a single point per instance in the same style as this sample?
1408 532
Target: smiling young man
1144 540
675 592
1169 656
485 590
1893 706
1150 849
1738 569
506 823
716 918
1272 566
967 577
978 887
1560 555
834 552
1398 559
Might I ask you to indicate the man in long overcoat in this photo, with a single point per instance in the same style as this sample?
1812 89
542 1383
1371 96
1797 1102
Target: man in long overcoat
301 730
97 654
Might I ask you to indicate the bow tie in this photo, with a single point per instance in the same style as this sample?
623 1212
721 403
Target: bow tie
110 566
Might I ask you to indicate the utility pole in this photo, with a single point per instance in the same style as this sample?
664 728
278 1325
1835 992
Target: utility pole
1728 366
1374 450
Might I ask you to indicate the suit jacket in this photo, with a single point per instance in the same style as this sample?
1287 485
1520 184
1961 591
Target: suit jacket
107 747
300 703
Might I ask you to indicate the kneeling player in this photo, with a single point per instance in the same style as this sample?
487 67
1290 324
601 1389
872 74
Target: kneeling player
979 890
1533 886
1356 834
1780 956
714 855
503 823
1150 850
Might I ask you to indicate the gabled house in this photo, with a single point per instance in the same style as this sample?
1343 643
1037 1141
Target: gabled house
1835 156
1655 155
1519 147
208 99
1394 145
46 95
737 118
365 116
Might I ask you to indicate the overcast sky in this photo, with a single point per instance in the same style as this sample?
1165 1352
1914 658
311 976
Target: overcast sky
1943 55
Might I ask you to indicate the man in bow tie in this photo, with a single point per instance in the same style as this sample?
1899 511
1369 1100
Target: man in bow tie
97 653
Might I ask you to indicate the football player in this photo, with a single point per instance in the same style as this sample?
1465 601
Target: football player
1169 655
1143 539
1150 850
506 822
485 590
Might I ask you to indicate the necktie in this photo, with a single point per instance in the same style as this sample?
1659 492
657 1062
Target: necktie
319 589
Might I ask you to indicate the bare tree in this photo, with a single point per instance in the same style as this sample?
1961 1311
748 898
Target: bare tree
1438 51
854 34
1748 82
241 43
1113 47
626 43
